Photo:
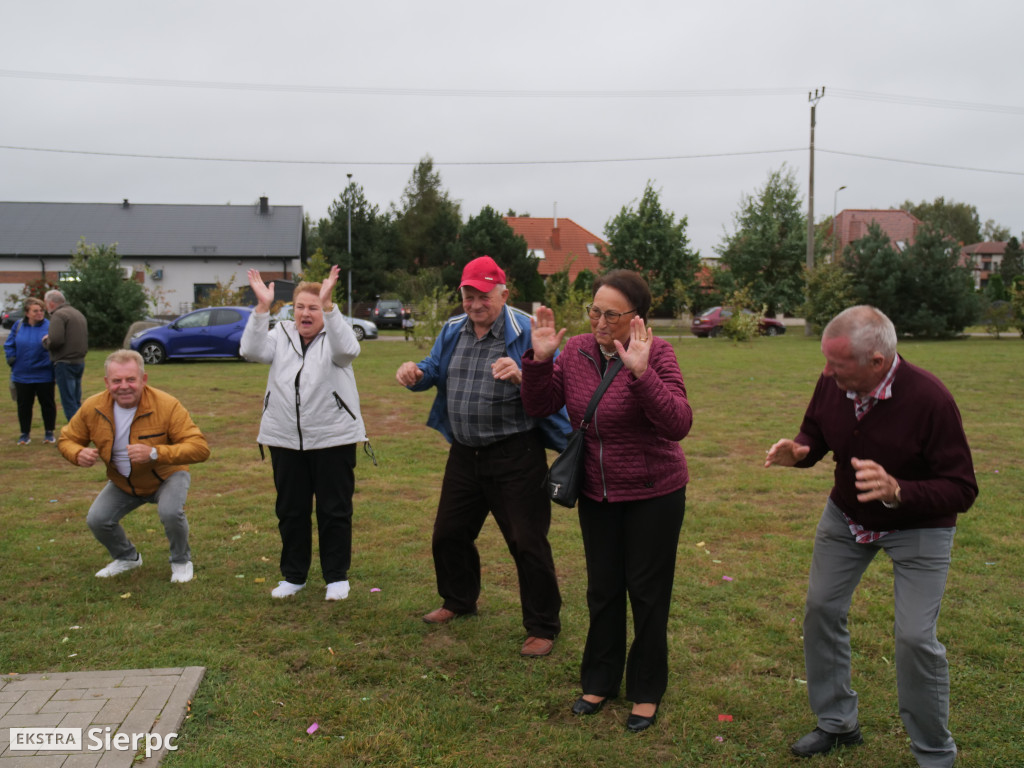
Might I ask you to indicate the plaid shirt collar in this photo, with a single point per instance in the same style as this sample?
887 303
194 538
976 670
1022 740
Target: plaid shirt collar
882 392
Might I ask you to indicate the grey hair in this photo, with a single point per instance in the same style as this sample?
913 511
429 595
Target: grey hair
868 330
54 297
122 356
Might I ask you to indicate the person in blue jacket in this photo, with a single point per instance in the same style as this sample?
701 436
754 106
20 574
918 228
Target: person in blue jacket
32 371
497 461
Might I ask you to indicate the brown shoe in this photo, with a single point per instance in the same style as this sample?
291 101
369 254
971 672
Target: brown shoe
537 646
441 616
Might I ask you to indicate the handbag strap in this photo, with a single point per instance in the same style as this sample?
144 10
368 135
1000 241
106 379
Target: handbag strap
613 368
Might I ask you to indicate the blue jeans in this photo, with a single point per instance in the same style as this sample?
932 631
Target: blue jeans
69 384
920 562
112 504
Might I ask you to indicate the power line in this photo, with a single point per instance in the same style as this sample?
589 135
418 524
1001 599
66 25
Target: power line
467 163
630 93
197 158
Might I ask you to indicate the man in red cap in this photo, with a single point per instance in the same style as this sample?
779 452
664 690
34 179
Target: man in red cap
497 462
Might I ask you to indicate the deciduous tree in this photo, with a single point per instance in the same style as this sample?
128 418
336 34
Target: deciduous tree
958 220
488 234
648 239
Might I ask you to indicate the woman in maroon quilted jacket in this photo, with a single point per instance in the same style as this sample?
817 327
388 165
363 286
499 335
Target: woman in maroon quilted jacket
633 494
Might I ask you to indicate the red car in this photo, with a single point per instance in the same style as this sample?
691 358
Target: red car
711 321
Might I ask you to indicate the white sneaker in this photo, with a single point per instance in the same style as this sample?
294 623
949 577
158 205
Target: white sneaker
285 589
181 572
337 590
118 566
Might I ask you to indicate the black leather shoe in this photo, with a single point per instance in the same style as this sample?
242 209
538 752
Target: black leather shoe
584 707
819 742
637 723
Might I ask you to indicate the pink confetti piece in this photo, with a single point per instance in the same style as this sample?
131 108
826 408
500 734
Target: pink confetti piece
725 718
375 589
719 738
727 578
312 729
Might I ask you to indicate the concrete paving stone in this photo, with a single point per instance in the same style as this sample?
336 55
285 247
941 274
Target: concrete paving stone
139 721
76 705
115 759
149 679
33 685
5 706
6 695
46 720
84 760
33 761
114 693
113 712
30 703
77 720
155 696
68 694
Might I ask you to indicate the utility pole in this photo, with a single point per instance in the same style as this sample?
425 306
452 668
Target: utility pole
349 195
814 98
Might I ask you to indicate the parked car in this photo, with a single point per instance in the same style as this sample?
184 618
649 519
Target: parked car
387 313
711 321
363 329
11 316
208 332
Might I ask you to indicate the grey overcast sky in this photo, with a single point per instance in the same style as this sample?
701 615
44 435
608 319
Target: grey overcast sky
521 105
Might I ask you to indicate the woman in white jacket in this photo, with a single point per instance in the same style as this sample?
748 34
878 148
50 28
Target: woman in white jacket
311 422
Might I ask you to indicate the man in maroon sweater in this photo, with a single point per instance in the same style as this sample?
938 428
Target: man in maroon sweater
903 472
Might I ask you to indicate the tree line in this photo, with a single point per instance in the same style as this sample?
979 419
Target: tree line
416 249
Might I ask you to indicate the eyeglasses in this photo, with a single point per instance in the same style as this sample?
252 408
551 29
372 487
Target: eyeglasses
610 316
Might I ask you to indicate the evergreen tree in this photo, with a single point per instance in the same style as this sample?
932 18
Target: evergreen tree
938 293
1013 261
488 234
428 222
99 290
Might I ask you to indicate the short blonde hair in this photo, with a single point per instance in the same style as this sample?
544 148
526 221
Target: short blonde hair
122 356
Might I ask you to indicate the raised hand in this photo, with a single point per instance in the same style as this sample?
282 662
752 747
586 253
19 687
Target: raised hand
634 358
327 288
264 293
545 339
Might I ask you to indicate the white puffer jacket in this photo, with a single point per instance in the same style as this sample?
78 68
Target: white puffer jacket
311 400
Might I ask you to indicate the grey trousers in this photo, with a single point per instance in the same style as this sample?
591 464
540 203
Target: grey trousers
920 562
112 504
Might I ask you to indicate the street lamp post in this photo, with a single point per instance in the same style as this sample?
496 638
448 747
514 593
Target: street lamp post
835 200
349 195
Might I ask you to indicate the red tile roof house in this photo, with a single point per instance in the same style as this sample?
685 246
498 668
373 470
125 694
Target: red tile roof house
850 225
983 259
556 242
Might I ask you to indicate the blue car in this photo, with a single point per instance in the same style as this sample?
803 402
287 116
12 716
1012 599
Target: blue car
208 332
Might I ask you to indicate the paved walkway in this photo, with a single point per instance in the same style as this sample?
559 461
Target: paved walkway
101 705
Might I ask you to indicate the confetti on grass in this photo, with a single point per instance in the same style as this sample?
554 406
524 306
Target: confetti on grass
727 578
375 589
725 718
312 729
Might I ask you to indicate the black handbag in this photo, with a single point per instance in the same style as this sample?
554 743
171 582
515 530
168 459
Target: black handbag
565 474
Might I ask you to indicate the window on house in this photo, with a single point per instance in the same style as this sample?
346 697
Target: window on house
593 250
67 277
536 253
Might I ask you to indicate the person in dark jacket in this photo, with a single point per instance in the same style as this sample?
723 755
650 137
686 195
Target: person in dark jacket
68 343
32 371
496 463
903 472
633 495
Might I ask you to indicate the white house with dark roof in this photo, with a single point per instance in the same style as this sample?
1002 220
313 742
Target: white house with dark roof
177 251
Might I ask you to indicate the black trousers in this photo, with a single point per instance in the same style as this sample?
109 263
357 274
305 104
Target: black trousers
507 480
631 552
27 395
328 475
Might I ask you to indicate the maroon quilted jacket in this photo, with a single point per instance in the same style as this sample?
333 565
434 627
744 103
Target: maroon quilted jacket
632 446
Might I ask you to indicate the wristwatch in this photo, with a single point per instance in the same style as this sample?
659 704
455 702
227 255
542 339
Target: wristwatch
152 455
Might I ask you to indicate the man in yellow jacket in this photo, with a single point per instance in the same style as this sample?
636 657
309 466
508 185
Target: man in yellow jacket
147 439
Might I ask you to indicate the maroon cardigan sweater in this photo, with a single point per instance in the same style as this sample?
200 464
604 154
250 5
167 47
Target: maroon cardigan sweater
917 436
631 450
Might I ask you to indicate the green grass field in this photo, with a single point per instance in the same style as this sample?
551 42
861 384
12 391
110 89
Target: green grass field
388 690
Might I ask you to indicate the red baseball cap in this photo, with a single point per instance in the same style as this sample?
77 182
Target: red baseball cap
483 274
